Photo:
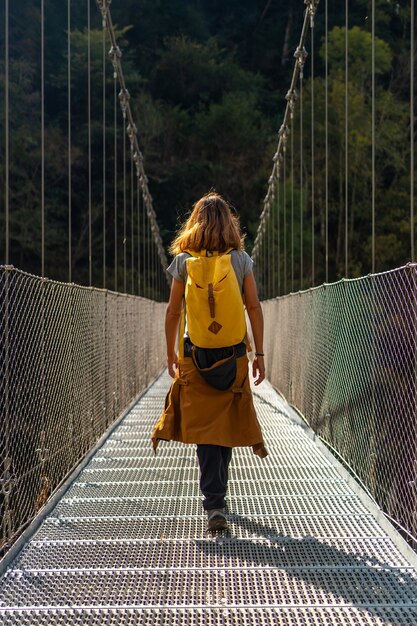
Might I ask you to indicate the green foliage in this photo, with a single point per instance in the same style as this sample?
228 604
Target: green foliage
207 81
360 47
192 74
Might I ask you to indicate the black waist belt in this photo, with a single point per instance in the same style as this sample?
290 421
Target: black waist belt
218 353
217 366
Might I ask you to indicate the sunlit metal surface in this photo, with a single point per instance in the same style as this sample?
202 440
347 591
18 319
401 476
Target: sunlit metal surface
127 545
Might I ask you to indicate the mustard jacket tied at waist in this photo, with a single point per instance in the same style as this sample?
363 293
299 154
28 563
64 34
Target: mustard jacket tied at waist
197 413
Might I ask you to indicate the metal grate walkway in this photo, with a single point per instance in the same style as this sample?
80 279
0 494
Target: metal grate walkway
126 544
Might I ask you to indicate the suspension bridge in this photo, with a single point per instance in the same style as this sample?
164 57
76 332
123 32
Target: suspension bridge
95 528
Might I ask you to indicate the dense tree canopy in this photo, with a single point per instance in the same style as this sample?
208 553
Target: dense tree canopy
207 81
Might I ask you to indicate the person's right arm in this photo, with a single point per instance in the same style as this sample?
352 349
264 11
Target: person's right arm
256 318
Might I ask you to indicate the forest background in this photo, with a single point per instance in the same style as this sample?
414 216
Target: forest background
208 81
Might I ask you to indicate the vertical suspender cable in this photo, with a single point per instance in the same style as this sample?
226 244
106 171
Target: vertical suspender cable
104 151
160 284
154 263
7 526
313 272
265 256
42 363
115 177
156 297
6 128
346 137
272 260
132 224
292 201
69 145
260 269
42 138
139 259
151 277
90 253
279 227
301 181
149 256
284 203
271 247
90 250
373 194
144 246
124 208
326 131
71 306
159 269
412 130
265 249
373 134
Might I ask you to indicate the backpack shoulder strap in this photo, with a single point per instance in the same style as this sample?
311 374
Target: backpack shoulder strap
203 253
195 254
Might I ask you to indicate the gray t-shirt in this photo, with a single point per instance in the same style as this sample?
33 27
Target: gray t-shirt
241 261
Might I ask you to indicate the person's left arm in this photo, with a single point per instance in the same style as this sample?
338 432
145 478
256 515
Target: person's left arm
172 320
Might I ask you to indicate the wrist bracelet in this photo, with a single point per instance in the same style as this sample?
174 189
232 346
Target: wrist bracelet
259 354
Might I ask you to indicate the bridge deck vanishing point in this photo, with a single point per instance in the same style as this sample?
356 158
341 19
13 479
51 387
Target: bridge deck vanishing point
126 543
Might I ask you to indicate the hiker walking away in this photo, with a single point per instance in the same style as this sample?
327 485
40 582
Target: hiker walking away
210 401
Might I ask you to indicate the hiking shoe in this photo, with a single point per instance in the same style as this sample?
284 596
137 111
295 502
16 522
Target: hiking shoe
217 520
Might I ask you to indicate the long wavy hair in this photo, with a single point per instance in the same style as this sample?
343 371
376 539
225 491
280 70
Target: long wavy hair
211 226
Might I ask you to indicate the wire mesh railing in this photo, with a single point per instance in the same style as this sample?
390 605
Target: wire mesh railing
71 360
345 354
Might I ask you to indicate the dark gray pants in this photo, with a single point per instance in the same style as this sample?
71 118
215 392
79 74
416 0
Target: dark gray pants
214 465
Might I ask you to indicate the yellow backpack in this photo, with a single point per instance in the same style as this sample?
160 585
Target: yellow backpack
213 301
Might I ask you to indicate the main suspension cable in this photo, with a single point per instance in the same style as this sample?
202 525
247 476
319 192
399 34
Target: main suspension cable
300 56
124 98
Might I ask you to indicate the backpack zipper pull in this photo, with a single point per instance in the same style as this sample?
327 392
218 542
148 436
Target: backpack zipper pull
211 299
